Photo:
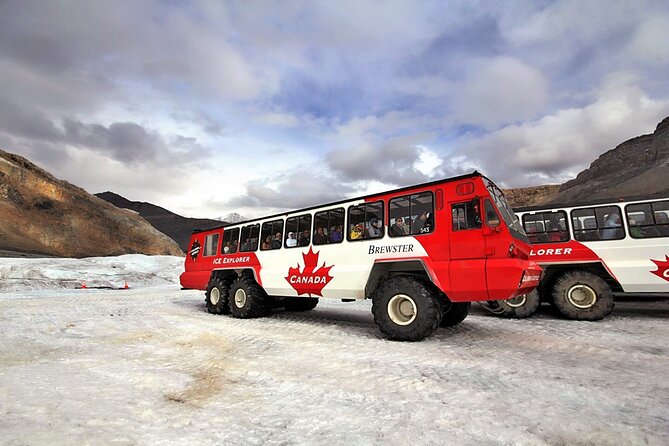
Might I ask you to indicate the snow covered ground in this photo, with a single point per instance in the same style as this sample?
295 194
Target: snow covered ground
149 365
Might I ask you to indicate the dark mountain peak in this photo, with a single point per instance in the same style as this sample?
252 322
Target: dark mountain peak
175 226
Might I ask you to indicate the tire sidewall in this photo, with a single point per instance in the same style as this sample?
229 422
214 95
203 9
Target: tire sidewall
428 309
222 306
602 307
456 313
257 302
531 305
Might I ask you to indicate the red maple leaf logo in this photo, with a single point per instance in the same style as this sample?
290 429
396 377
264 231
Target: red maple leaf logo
310 280
662 268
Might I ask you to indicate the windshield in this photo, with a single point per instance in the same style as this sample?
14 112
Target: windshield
508 215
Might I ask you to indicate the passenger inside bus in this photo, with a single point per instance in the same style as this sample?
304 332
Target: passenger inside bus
357 232
397 228
335 234
303 239
373 229
291 241
613 227
319 236
276 242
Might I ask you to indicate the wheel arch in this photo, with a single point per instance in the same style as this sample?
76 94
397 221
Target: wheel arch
384 270
231 274
553 272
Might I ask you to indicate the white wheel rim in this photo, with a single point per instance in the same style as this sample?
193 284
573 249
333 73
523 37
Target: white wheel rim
214 296
518 301
402 309
582 296
240 298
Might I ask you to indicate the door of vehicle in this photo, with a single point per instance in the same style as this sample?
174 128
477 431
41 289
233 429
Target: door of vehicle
467 249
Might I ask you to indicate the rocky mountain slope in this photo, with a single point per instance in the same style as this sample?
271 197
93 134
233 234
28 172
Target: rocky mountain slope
175 226
639 166
42 214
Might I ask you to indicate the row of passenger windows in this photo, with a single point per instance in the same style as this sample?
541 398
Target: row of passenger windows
645 220
408 215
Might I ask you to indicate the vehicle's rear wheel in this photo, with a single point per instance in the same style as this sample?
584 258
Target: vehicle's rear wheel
216 297
455 313
300 303
583 296
406 309
517 307
248 299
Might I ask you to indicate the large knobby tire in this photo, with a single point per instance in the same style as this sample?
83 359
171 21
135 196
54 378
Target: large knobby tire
518 307
406 309
300 303
582 295
216 297
248 299
455 313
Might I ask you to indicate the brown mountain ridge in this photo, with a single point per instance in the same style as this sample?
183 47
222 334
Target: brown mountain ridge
44 215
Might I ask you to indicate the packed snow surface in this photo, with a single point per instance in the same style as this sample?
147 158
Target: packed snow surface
149 365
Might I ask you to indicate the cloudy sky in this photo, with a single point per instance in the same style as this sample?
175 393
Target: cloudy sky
212 107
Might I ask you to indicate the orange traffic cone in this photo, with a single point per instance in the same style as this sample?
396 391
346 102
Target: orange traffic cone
125 286
83 284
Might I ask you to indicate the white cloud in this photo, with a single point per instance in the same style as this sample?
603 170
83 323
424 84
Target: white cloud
556 147
649 44
500 91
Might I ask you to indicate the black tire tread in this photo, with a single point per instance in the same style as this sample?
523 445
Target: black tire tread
429 309
456 313
602 307
300 303
532 303
258 303
224 287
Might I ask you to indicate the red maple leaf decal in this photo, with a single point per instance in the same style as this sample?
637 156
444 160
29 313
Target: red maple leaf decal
310 280
662 268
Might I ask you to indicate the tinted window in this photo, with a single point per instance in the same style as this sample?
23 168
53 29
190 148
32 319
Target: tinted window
249 240
603 223
328 226
491 217
411 215
546 227
271 235
365 221
211 245
648 220
298 231
230 241
466 215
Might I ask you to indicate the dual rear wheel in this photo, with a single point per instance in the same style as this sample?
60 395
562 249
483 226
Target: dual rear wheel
243 298
579 295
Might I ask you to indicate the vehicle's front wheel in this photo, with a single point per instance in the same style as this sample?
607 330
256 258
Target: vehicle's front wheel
216 297
406 309
518 307
455 313
248 299
300 303
583 296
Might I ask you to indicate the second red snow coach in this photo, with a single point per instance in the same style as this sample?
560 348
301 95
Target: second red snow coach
592 252
421 253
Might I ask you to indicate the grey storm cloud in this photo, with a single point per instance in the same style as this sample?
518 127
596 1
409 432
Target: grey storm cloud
390 162
126 142
295 190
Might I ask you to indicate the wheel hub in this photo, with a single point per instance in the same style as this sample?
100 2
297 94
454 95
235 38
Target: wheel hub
214 296
517 301
402 309
582 296
240 298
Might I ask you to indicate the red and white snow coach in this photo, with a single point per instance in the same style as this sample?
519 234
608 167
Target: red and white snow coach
421 253
591 252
